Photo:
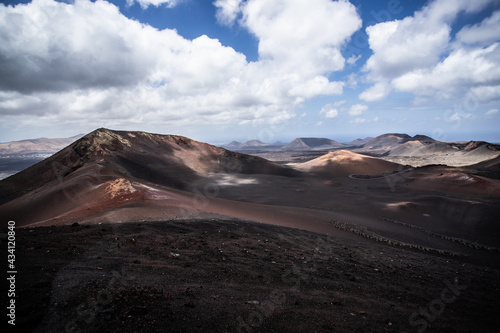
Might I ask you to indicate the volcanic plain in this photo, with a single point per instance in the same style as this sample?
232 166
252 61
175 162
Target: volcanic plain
139 232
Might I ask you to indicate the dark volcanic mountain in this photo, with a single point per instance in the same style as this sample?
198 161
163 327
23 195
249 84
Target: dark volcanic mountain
110 168
312 144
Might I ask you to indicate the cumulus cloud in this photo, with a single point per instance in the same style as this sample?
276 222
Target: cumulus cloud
86 62
227 11
484 33
377 92
146 3
478 66
318 85
304 36
485 93
418 55
357 109
329 110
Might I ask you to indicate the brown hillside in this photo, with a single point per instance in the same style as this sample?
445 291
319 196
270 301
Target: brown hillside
134 165
342 163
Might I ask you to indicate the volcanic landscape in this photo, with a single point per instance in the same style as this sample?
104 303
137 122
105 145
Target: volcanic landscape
139 232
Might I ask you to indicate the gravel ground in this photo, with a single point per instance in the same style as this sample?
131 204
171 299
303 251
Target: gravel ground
230 275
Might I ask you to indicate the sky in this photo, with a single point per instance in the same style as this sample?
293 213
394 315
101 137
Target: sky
223 70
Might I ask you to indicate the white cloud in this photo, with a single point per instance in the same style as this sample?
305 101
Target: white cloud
399 46
491 112
352 59
303 36
87 63
485 93
484 33
377 92
227 11
146 3
461 67
357 109
417 54
329 110
318 85
352 81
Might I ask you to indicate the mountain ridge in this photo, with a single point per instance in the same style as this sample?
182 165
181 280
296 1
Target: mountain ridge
36 146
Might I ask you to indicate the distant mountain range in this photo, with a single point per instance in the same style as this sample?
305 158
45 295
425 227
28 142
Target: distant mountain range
403 148
418 150
296 144
397 147
36 146
252 144
390 144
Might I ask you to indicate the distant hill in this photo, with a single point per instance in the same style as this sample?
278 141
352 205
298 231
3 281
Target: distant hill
387 142
424 150
342 163
36 146
359 142
312 144
252 144
234 145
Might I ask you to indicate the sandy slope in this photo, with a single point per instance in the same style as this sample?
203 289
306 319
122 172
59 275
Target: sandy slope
341 163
